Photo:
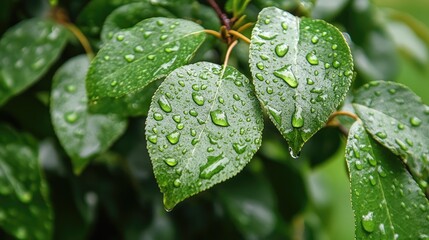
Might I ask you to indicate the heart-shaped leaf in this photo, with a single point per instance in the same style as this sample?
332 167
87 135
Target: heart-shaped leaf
203 127
398 119
139 55
27 50
387 202
81 133
25 211
302 70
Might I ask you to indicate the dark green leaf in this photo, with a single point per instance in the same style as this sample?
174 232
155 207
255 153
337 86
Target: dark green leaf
302 70
129 15
397 118
387 202
82 134
27 50
24 208
204 126
139 55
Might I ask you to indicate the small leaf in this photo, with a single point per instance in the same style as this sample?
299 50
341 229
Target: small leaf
27 50
387 202
398 119
82 134
25 211
139 55
129 15
302 70
203 127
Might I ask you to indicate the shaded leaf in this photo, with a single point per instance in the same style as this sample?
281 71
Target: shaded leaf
24 208
387 202
81 133
203 127
27 50
139 55
128 15
302 70
398 119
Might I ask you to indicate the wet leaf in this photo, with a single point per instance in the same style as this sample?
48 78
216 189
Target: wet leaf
137 56
387 202
302 70
398 119
203 127
81 133
27 50
25 211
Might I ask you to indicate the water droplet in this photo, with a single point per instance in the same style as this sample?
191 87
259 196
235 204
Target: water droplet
173 137
214 165
312 58
129 57
195 141
71 88
358 165
164 104
409 142
71 117
239 148
38 64
220 100
371 160
372 180
334 46
315 39
177 183
120 37
368 222
287 75
401 144
153 139
401 126
267 21
177 118
281 49
381 171
348 73
327 65
193 113
171 49
293 154
25 197
147 34
236 97
106 58
170 162
275 114
158 116
269 90
415 121
284 26
381 135
336 64
151 57
198 98
309 81
260 65
138 49
259 76
316 73
219 118
297 119
267 35
160 23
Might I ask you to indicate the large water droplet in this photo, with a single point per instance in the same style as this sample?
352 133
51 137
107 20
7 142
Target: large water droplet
239 148
281 49
415 121
312 58
71 117
153 139
297 119
173 137
164 104
381 135
170 162
285 73
129 57
214 165
158 116
260 65
368 222
219 118
276 114
177 118
198 98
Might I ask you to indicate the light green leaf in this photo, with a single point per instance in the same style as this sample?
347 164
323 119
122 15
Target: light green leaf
81 133
398 119
25 211
302 70
27 50
128 15
203 127
139 55
387 202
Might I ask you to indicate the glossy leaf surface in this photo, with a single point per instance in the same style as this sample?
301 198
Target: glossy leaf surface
302 70
25 211
387 202
81 133
27 50
397 118
203 127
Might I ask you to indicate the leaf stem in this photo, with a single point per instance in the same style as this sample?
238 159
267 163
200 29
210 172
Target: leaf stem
343 113
82 39
245 26
239 35
213 32
228 52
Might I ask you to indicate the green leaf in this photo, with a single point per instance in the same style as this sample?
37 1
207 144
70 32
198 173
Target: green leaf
398 119
27 50
203 127
302 70
128 15
387 202
25 211
81 133
139 55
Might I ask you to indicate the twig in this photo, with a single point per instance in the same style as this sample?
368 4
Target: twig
213 32
228 52
82 39
245 26
239 35
222 16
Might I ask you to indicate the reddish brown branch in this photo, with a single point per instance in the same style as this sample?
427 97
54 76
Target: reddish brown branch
222 16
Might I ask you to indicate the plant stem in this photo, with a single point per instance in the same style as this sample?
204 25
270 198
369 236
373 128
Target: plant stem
245 26
343 113
228 52
222 16
239 35
213 32
82 39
